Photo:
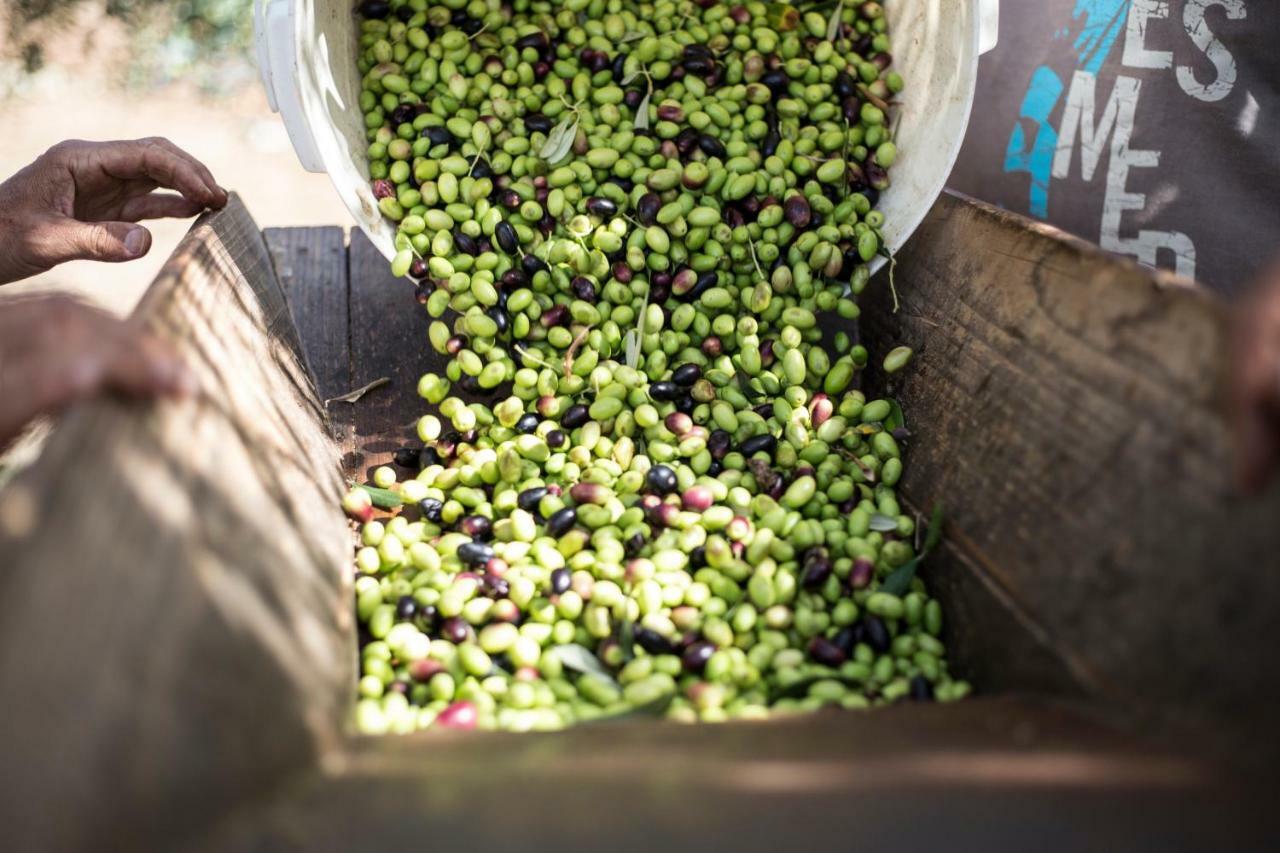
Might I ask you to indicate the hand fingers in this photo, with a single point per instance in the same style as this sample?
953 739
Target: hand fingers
159 206
164 163
56 350
144 366
56 240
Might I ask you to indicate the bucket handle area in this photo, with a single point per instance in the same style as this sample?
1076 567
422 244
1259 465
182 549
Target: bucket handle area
274 33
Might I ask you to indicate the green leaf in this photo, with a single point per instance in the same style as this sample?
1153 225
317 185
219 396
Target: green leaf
896 420
900 580
581 659
833 25
560 140
641 121
883 523
627 639
384 498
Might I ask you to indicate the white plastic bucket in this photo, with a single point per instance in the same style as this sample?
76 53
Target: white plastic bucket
307 58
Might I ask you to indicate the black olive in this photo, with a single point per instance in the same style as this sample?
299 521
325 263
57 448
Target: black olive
718 444
584 289
528 499
533 264
407 457
527 423
711 146
374 9
921 689
430 508
505 234
696 656
598 206
537 122
664 391
817 569
826 652
465 243
647 208
575 416
877 634
561 521
653 642
475 553
403 114
662 479
499 317
537 41
560 580
556 438
698 557
406 607
686 374
476 526
759 444
439 136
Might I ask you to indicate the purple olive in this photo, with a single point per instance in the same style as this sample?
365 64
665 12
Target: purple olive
826 652
695 657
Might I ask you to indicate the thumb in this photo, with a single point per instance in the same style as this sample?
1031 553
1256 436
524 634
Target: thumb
104 241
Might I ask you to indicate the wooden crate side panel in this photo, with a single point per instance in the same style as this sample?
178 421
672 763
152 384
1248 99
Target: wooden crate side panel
1065 409
171 588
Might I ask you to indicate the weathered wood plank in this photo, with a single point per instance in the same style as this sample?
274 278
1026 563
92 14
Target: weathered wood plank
388 339
311 264
174 629
1065 410
984 774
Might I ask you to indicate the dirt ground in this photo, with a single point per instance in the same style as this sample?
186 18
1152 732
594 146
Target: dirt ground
236 135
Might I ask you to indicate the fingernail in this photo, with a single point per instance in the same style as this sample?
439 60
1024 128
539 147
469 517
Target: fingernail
135 242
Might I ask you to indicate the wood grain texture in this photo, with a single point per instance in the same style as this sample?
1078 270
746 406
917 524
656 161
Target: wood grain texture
1002 774
388 339
1065 409
173 626
311 265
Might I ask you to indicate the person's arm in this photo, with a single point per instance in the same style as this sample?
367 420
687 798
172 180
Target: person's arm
83 200
1256 385
55 350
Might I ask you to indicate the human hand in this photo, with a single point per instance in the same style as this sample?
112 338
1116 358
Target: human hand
81 200
1255 383
55 350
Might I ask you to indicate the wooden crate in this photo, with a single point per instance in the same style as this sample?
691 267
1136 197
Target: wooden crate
177 648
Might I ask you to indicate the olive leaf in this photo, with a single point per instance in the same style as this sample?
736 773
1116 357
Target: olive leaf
900 580
630 77
883 523
384 498
642 112
896 420
354 396
627 639
581 659
833 25
560 140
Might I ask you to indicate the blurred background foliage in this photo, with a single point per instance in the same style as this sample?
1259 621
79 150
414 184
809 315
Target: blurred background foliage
205 43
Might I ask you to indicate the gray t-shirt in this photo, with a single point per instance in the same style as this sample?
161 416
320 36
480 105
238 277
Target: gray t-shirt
1148 126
